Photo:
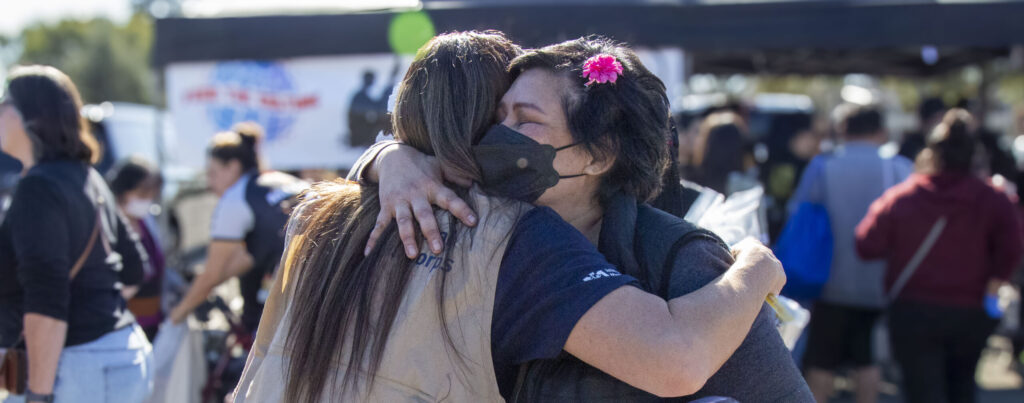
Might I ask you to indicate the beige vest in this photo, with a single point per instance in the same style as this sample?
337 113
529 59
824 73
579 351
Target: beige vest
418 364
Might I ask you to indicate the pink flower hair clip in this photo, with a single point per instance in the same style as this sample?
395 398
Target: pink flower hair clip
602 68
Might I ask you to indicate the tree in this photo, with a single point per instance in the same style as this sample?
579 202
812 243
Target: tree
106 61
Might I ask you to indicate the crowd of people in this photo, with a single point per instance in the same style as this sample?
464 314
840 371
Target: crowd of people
538 229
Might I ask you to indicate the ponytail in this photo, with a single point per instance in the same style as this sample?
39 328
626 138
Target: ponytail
950 146
251 133
241 143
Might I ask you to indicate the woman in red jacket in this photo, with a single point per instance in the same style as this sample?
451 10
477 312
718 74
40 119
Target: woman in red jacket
962 237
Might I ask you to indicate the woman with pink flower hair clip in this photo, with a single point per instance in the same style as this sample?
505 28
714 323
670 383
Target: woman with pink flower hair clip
516 283
583 130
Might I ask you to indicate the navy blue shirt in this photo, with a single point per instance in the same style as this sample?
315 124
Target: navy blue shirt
550 276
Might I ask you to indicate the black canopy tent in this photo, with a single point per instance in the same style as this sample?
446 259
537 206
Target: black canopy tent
727 36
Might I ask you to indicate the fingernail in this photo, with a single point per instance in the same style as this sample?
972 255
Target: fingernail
410 251
366 252
472 219
437 246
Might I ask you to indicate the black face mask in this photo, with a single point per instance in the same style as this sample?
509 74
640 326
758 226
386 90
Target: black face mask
515 166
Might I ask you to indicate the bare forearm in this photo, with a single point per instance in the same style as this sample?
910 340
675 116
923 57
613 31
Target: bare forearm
44 337
225 260
672 348
666 348
370 173
196 295
366 165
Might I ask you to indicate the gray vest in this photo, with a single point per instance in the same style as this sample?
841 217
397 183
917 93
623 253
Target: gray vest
418 364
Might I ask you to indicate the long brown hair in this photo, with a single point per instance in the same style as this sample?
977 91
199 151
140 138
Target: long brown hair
720 149
344 303
50 106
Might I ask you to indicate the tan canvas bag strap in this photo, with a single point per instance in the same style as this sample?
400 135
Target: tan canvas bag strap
88 247
81 259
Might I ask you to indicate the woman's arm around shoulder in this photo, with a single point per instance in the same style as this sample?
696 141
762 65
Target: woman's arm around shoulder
672 348
762 368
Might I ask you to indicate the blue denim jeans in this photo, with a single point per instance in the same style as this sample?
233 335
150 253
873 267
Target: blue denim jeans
114 368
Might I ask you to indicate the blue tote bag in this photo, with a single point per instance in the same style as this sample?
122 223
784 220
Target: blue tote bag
805 250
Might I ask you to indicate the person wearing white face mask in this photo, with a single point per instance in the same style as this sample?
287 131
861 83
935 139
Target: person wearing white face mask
136 184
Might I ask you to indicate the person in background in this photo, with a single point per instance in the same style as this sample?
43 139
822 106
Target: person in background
136 186
845 183
994 157
723 155
929 114
1018 280
65 254
368 115
724 167
965 239
679 192
690 126
785 164
248 223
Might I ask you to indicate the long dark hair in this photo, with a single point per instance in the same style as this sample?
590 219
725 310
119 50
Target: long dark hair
344 303
671 199
50 107
950 146
627 120
721 149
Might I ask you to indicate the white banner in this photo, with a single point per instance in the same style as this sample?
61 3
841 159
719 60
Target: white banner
318 112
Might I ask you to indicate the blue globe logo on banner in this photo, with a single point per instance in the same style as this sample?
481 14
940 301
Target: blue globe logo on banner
256 91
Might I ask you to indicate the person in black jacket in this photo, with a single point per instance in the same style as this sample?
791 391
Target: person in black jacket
136 184
62 215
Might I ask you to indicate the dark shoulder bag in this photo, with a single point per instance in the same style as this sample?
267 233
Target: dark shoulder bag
14 365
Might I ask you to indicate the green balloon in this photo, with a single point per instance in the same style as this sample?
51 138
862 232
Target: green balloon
409 31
